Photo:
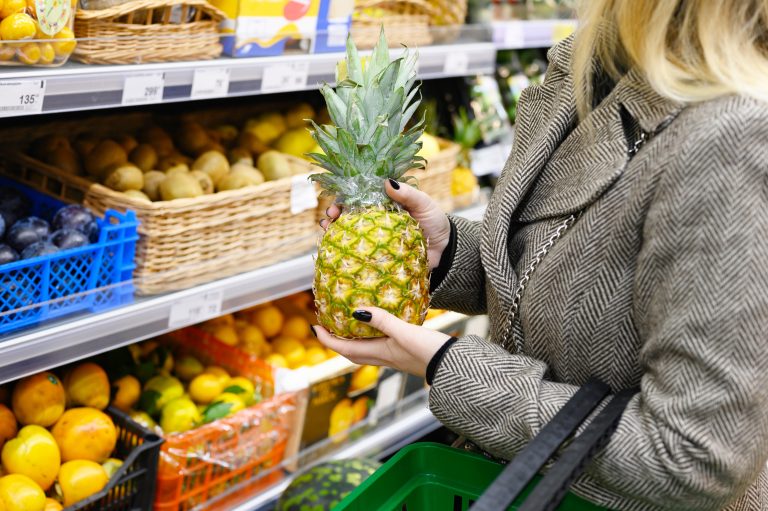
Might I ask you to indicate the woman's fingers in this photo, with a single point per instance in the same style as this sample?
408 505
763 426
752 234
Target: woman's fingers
366 351
333 211
413 200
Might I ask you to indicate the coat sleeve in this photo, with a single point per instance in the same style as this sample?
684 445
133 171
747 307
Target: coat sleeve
462 288
696 436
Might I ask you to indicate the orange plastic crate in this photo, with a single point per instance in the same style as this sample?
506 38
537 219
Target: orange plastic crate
199 465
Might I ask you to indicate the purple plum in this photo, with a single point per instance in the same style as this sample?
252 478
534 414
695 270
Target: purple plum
7 254
26 232
13 205
79 218
68 238
38 249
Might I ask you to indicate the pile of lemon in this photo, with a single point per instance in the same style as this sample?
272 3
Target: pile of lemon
55 441
278 332
23 41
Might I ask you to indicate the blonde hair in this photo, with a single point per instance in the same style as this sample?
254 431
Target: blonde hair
688 50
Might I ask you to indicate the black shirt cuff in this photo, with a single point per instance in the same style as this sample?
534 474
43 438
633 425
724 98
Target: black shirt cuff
434 363
446 261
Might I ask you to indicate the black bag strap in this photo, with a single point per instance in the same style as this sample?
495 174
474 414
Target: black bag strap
551 490
524 467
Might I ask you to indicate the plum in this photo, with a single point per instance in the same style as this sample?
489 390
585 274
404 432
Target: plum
38 249
2 227
79 218
68 238
7 254
27 231
13 205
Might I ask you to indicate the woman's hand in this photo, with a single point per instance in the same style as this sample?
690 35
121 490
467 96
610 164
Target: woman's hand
407 347
422 208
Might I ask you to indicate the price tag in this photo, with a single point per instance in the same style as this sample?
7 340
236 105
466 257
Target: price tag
488 160
195 309
303 194
143 89
21 97
388 394
285 77
456 64
513 34
210 83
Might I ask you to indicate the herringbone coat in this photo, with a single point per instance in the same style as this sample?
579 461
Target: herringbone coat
662 282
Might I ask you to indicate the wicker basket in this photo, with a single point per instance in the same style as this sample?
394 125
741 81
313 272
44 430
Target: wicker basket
435 180
190 241
406 22
148 31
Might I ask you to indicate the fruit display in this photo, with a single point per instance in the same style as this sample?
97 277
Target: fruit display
324 486
24 236
52 444
375 253
464 185
36 39
278 332
159 164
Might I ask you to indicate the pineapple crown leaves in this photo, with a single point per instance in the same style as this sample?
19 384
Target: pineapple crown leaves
373 102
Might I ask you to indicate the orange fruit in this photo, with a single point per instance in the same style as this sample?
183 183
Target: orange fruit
291 349
315 356
79 479
364 377
8 427
360 407
253 340
127 393
226 334
297 327
33 453
87 384
38 399
85 434
52 505
268 319
20 493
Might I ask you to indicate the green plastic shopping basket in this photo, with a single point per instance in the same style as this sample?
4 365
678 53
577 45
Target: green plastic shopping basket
433 477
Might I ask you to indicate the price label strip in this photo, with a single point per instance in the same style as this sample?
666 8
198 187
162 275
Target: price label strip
210 83
21 97
456 64
285 77
303 194
195 309
143 89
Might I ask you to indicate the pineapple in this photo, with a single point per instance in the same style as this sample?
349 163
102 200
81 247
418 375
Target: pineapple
374 254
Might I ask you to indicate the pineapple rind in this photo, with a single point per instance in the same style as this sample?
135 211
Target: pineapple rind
390 273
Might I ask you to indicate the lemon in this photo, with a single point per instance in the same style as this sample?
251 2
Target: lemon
66 42
187 367
297 327
179 415
20 493
268 319
12 7
7 52
252 339
277 360
226 334
205 387
17 27
79 479
47 53
143 418
29 53
243 387
219 372
232 399
315 356
364 377
291 349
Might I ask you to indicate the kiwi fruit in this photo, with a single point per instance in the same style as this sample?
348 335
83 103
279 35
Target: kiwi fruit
125 177
66 159
49 143
128 142
225 134
244 173
181 168
136 194
240 155
251 142
274 165
173 160
106 155
213 163
206 183
143 156
193 138
158 138
85 143
180 186
152 180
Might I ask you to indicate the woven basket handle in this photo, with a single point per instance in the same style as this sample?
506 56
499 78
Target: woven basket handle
134 6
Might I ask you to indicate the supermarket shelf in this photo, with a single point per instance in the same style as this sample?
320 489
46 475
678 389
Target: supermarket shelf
57 343
519 34
381 440
76 87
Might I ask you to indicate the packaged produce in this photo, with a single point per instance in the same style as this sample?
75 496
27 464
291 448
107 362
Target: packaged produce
36 33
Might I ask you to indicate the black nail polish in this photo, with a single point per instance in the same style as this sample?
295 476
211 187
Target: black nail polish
326 211
314 332
361 315
321 223
394 184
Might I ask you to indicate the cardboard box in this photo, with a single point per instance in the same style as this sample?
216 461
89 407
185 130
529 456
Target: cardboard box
333 24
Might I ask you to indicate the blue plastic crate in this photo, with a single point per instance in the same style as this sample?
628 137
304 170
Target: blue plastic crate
93 278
